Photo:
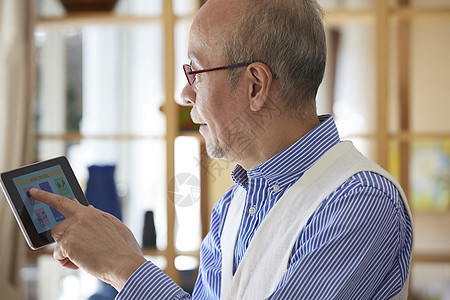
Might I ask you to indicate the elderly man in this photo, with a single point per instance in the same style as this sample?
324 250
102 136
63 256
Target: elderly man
308 218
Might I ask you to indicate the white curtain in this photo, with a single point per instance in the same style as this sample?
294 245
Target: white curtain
16 90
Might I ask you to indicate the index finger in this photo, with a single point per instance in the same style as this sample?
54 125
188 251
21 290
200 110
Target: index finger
62 204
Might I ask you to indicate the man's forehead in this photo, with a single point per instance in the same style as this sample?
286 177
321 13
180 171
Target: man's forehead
216 18
198 45
203 39
221 8
212 24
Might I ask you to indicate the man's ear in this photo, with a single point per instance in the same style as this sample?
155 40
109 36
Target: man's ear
259 84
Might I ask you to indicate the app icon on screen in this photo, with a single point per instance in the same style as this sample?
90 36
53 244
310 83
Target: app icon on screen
46 186
30 199
58 216
42 217
62 186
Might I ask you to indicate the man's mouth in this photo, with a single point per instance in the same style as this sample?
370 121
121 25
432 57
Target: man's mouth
198 123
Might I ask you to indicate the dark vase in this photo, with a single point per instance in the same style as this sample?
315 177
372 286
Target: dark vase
149 232
78 6
101 190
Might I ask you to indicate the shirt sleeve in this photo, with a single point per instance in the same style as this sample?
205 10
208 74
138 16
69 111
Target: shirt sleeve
150 282
348 250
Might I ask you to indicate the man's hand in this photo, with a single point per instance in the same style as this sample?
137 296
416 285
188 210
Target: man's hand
92 240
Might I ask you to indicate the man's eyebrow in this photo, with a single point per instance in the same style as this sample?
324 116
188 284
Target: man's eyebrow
192 57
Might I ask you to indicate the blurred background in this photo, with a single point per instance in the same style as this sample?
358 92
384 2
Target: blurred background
101 86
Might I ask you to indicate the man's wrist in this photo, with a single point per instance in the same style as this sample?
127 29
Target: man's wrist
150 282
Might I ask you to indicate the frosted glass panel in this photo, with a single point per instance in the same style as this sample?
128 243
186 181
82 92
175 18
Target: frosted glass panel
123 82
50 148
147 187
186 194
140 7
185 7
146 69
325 94
365 146
51 78
181 46
101 77
49 8
355 91
430 281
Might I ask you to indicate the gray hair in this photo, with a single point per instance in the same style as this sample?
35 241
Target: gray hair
289 37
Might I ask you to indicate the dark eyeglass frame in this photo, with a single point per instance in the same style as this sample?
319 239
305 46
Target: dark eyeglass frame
190 75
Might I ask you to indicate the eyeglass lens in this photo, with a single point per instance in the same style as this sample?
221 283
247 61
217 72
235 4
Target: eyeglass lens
190 77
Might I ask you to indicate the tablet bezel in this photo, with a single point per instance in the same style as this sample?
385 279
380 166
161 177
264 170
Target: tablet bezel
34 239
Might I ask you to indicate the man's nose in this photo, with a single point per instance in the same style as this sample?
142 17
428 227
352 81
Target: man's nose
188 95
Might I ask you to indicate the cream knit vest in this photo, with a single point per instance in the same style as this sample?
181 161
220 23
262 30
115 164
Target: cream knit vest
264 263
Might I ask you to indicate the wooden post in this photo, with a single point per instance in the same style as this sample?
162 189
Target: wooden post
382 84
403 39
170 110
403 57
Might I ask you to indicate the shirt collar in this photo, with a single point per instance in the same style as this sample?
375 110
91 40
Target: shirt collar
287 166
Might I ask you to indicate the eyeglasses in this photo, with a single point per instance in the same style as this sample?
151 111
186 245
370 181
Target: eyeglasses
190 75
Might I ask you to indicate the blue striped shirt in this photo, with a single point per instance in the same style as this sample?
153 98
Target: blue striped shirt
356 246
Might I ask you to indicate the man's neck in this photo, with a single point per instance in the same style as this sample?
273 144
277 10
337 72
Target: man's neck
278 134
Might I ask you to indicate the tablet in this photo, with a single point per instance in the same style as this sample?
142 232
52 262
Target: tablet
35 218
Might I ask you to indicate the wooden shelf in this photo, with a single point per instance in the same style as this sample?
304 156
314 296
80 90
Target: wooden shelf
431 257
153 252
405 136
76 137
82 19
156 252
338 18
433 14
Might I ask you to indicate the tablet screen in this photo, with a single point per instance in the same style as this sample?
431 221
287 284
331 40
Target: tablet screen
51 180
